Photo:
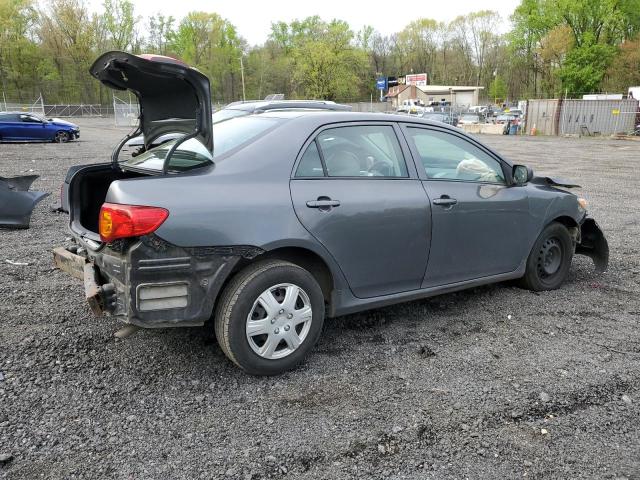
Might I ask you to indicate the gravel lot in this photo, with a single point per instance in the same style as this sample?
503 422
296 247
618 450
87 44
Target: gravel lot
495 382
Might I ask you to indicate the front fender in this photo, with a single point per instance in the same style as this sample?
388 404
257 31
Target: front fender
593 244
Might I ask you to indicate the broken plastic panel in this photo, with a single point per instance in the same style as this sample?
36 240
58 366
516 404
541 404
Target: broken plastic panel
17 202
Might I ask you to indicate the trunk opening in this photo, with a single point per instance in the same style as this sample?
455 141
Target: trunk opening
88 190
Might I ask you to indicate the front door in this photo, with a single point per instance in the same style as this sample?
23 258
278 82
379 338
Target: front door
480 225
353 192
32 128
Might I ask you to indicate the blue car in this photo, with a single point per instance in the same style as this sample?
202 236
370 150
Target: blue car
27 126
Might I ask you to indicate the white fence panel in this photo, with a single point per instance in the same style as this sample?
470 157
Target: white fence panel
126 112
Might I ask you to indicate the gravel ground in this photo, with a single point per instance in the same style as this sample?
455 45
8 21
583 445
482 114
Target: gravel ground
495 382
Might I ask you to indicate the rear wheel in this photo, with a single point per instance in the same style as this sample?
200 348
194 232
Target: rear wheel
550 259
269 317
61 137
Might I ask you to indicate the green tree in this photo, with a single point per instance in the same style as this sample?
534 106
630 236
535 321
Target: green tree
20 56
212 44
585 68
160 30
497 90
69 37
624 70
324 60
119 23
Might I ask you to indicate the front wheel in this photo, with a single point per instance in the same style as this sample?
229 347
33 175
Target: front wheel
550 258
269 317
61 137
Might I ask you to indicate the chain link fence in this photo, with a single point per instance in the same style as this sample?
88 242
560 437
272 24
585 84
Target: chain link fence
35 106
126 111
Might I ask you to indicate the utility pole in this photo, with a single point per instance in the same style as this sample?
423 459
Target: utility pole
244 99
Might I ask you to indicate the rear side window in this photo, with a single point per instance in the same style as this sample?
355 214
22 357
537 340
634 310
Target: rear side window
310 164
362 151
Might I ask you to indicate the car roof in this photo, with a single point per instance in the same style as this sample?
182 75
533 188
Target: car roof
252 105
322 117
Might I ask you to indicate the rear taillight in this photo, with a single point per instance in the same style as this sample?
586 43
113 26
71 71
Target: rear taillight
123 221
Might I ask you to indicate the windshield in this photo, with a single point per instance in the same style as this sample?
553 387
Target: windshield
228 135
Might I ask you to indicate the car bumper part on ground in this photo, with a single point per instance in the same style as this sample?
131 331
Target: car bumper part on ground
17 202
151 283
593 244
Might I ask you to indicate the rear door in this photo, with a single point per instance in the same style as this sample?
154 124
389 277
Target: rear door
354 192
10 126
480 225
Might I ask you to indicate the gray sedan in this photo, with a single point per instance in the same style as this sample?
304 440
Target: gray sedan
300 214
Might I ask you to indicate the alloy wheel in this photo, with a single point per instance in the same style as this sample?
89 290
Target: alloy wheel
62 137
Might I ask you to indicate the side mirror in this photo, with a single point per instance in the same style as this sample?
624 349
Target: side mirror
521 174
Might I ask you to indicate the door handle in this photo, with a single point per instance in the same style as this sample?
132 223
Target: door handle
445 201
328 203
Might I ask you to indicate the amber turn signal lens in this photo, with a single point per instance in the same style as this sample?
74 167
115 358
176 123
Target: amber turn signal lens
106 223
583 203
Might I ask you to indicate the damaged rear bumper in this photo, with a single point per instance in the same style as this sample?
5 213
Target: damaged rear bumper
96 295
151 283
593 244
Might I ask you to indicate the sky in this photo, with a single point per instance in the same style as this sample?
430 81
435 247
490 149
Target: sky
253 17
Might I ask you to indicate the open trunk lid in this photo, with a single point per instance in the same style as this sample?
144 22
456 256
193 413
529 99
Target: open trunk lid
173 97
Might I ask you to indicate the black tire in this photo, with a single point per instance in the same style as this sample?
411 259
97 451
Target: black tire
61 137
550 259
239 300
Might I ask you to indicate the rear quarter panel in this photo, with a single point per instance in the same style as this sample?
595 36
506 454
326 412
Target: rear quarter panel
244 199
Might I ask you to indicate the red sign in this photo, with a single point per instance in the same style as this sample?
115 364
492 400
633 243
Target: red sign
416 79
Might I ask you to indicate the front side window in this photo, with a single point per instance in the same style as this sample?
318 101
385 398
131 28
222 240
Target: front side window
30 119
448 157
362 151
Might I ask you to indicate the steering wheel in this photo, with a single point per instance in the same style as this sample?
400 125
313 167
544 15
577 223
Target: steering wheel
380 168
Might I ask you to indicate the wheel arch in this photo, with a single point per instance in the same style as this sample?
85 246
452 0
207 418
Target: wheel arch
565 220
302 256
570 223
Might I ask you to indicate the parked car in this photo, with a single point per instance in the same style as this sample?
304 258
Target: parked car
441 117
471 119
502 119
480 109
27 126
514 111
412 107
300 214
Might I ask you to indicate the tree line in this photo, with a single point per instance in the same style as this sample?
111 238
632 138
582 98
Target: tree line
554 47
